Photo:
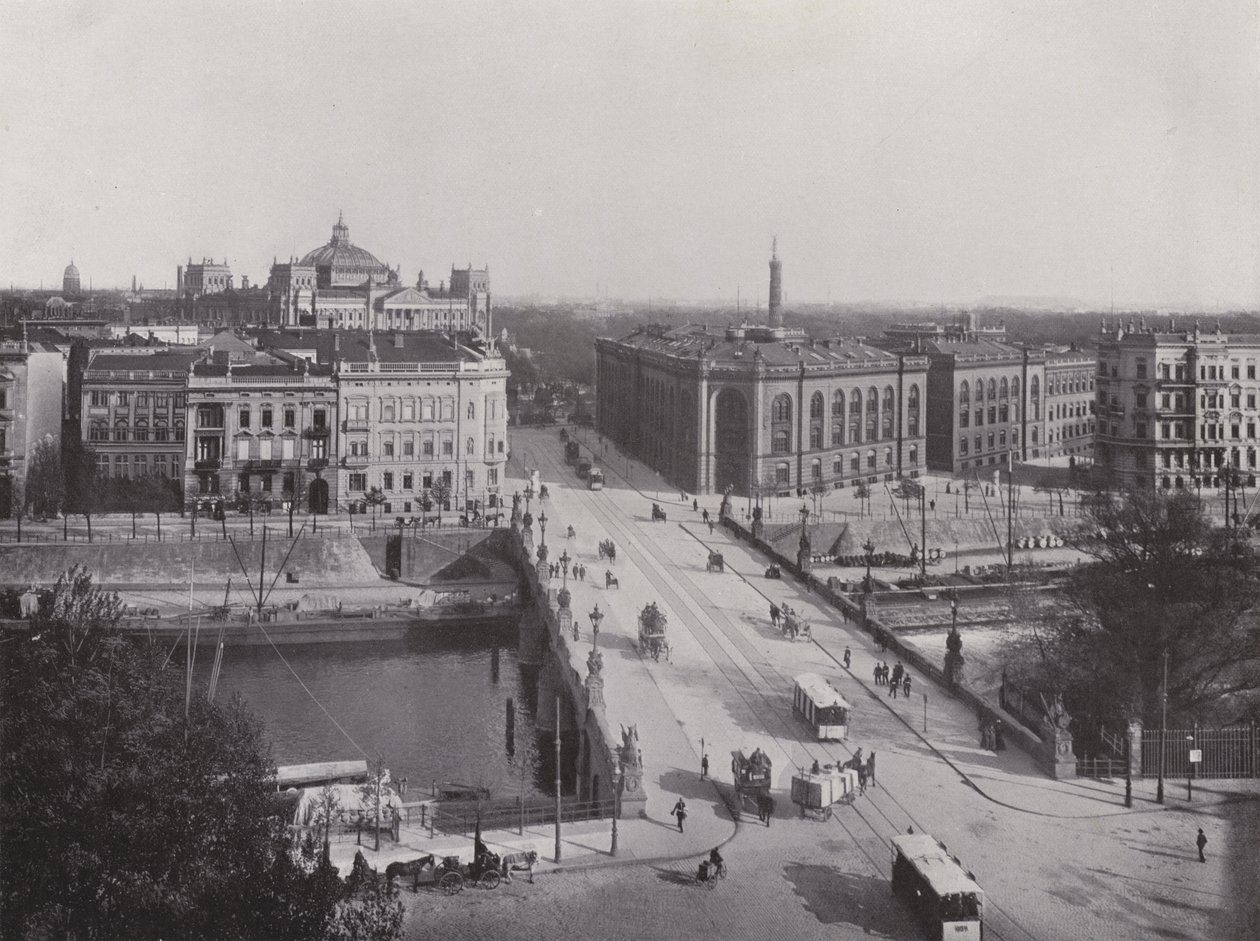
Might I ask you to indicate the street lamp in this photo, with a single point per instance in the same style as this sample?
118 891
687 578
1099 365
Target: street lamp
542 526
869 548
596 617
564 561
804 514
529 494
1190 773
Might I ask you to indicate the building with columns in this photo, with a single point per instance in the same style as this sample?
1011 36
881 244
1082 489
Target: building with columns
1176 408
762 409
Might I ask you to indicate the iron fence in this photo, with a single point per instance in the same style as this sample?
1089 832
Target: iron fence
463 820
1232 752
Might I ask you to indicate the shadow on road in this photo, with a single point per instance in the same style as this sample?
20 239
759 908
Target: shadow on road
836 897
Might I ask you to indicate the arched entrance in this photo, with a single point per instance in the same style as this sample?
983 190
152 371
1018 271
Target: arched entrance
731 446
317 498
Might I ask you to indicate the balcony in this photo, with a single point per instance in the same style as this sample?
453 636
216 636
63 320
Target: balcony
261 467
355 460
317 463
209 464
317 431
355 424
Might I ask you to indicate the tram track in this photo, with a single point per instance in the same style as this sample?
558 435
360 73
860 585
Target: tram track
750 679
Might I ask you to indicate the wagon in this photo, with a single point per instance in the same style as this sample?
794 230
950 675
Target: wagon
752 777
716 563
450 875
652 640
817 792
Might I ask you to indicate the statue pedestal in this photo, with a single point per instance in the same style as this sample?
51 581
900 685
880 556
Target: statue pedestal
564 618
804 560
1060 762
758 529
633 803
954 668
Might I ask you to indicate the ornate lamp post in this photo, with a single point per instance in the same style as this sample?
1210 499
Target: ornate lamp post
804 514
529 495
869 548
1190 773
596 617
542 527
564 561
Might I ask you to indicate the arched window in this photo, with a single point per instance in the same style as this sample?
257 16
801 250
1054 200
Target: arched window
783 474
815 470
160 431
781 410
872 414
1015 387
964 394
887 412
855 416
1004 389
99 431
1034 393
913 455
888 457
781 442
142 430
837 433
837 404
912 411
179 429
992 389
815 437
816 405
120 430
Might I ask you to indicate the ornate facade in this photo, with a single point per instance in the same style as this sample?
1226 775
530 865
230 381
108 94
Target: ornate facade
1070 403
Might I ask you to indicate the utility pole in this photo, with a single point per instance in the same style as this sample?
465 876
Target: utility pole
923 536
557 777
1163 727
1010 512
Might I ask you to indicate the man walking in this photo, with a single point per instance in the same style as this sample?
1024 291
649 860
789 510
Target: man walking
905 686
774 614
704 767
894 687
870 768
1201 842
879 674
847 657
680 811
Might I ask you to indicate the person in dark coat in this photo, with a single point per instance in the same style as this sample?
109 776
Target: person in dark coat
1201 842
870 768
999 743
704 767
879 674
848 656
774 614
905 686
680 811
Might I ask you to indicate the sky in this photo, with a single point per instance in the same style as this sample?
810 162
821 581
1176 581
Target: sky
938 152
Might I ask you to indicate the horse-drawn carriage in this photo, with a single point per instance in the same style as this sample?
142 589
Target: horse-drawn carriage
564 434
773 571
652 639
716 563
450 874
608 550
752 778
657 513
795 627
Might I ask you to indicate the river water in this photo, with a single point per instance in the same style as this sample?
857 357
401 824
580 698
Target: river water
433 706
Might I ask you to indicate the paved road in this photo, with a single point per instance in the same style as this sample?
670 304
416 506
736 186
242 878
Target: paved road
1057 860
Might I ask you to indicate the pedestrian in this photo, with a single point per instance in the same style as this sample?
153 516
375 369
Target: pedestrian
894 687
847 657
905 686
680 811
774 614
999 743
769 808
879 674
933 503
898 671
710 527
1201 842
870 767
695 505
705 516
704 767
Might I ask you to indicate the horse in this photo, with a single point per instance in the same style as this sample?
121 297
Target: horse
523 861
411 867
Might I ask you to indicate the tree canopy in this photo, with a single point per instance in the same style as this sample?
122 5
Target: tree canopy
1162 579
121 818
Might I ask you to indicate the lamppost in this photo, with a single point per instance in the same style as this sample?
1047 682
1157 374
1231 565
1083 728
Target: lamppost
1190 772
1163 727
529 495
869 548
596 617
564 561
542 528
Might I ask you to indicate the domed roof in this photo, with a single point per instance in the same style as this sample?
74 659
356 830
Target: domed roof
71 271
340 252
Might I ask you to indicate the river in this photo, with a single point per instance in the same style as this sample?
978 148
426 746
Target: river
433 706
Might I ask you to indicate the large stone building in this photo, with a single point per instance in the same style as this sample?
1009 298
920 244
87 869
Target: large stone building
263 427
761 409
414 409
985 400
134 411
71 284
1070 403
32 392
1176 408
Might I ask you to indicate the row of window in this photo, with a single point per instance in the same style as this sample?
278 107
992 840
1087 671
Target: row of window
428 409
994 440
358 481
1067 385
996 390
124 431
161 400
781 407
140 465
429 446
997 414
783 471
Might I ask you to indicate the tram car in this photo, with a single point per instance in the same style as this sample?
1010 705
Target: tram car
595 479
583 467
822 706
571 453
752 776
943 894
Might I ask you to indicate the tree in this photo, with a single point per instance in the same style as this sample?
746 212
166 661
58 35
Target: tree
83 492
374 498
441 492
1162 579
129 813
862 490
1049 484
45 480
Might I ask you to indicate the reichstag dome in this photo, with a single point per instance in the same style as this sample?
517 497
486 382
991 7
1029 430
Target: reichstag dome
342 264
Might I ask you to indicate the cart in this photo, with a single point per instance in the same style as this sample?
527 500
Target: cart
450 875
752 777
652 639
817 792
716 563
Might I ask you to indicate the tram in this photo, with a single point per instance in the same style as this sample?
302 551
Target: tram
595 478
944 895
584 467
822 707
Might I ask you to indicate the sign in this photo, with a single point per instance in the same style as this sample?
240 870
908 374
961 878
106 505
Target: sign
1196 755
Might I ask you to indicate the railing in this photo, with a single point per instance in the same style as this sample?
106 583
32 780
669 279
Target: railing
355 424
462 819
208 464
1232 752
355 460
314 431
1096 767
317 463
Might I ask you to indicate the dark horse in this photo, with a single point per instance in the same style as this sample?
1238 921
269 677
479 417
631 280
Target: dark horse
412 867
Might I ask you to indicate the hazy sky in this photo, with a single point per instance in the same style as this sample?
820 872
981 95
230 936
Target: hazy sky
946 150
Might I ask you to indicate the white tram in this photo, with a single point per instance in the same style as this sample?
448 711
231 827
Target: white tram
945 896
823 707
